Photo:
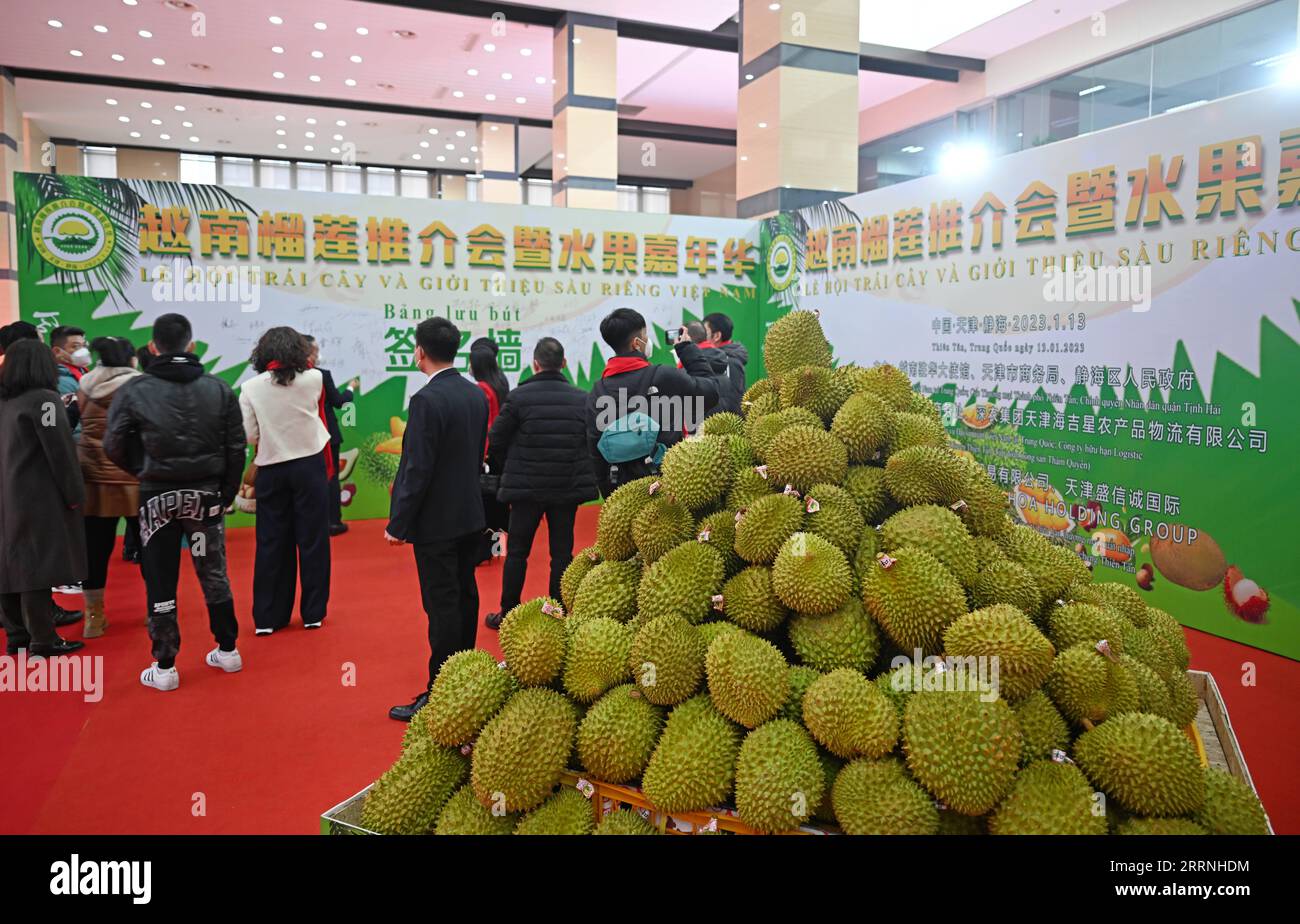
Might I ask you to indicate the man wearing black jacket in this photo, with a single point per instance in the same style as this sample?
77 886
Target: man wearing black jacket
334 399
437 504
677 399
539 444
179 430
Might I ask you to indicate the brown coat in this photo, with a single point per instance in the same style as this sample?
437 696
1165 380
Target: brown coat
42 538
110 491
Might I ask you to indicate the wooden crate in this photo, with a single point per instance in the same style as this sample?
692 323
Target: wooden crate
1219 742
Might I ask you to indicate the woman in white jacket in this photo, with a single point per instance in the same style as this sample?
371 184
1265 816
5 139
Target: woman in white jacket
284 419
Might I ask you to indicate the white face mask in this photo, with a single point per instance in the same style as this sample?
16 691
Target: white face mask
80 358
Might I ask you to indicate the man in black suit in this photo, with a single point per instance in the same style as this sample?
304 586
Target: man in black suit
334 399
437 504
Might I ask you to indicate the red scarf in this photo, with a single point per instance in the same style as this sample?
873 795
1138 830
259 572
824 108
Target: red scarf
77 371
617 365
328 452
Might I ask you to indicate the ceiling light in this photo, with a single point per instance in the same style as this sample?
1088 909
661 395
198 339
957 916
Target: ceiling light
54 24
774 7
506 76
744 157
472 72
135 134
489 47
130 2
117 57
362 30
314 78
464 160
474 148
111 101
279 118
520 100
281 146
318 54
450 147
278 75
279 131
350 82
963 158
762 125
493 128
187 125
415 157
311 121
145 33
146 105
334 150
101 29
123 118
276 20
308 147
1290 73
341 123
75 53
1191 105
320 25
179 108
165 137
749 76
1092 89
424 144
159 61
194 139
459 94
491 97
338 137
355 59
577 41
460 133
155 121
913 149
540 80
433 131
278 49
525 52
311 134
440 158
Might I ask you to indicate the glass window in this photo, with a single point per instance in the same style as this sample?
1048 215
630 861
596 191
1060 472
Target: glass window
198 168
237 171
311 176
655 199
537 192
415 184
472 188
275 174
627 198
381 181
100 162
345 178
904 156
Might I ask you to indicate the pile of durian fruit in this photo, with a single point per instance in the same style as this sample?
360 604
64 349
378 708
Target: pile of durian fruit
800 619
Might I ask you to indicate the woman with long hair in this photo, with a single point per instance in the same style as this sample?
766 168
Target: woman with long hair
487 374
283 407
111 493
42 540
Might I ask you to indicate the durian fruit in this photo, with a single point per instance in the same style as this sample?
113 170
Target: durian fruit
722 424
833 514
925 406
718 532
1161 827
962 749
779 778
1184 702
1170 632
925 475
803 456
938 531
913 598
801 678
469 689
865 556
844 638
1230 806
532 637
810 575
572 577
865 425
763 405
748 677
694 764
1024 655
1143 762
1146 647
1042 727
684 581
739 452
747 486
760 389
597 658
955 824
1153 691
625 821
888 383
618 734
1003 581
765 525
1072 624
750 602
849 715
464 814
760 431
1123 599
609 590
566 812
614 527
1049 798
878 797
1087 685
407 798
522 750
988 553
795 340
866 484
660 525
696 472
667 660
916 430
1054 568
811 387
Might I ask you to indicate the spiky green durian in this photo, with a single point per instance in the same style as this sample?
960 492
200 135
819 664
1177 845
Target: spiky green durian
1230 806
1072 624
684 581
748 486
925 406
748 678
566 812
887 383
618 734
1123 599
760 431
801 678
694 764
765 525
667 660
925 475
614 528
795 340
573 574
469 689
1153 691
532 638
1004 581
982 505
1170 631
1041 727
866 484
750 602
865 425
1143 762
811 387
463 814
1161 827
1049 798
625 821
523 749
1054 568
609 590
913 597
723 424
1184 701
833 514
1024 654
779 778
879 797
938 531
1087 685
1147 647
961 748
849 715
803 456
718 532
597 657
696 472
411 793
988 552
660 525
844 638
916 430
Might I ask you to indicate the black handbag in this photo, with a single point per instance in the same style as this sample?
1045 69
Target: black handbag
489 482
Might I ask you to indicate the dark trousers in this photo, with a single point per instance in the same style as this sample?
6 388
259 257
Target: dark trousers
101 537
131 539
449 593
28 618
203 536
292 534
525 517
336 500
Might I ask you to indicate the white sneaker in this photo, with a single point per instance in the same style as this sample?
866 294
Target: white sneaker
311 625
165 680
263 631
67 589
228 661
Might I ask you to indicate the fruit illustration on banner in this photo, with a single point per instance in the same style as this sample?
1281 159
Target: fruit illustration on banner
1112 545
979 415
1042 507
1246 600
1198 564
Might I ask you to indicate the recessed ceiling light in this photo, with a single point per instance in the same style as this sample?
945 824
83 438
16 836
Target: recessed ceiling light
314 78
194 139
278 75
526 52
362 30
540 80
145 33
460 133
187 125
179 108
159 61
762 125
165 137
124 118
75 53
774 7
338 137
415 157
117 57
464 160
749 76
744 157
318 54
520 100
275 20
146 105
577 41
450 147
491 97
440 158
320 25
458 93
334 150
489 47
310 134
474 148
424 144
279 118
506 76
101 29
355 59
311 121
433 131
281 146
308 147
493 128
155 121
130 2
279 131
278 49
472 72
135 134
111 101
350 82
54 24
340 123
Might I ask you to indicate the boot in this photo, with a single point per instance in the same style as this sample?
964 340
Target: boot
96 621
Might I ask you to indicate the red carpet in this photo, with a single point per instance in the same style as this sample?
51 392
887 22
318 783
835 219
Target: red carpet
269 749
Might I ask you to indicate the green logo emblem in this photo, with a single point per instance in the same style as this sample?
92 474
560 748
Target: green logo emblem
781 262
73 235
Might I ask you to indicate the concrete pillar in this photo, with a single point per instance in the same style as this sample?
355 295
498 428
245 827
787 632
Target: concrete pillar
797 122
453 187
10 128
584 134
498 154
